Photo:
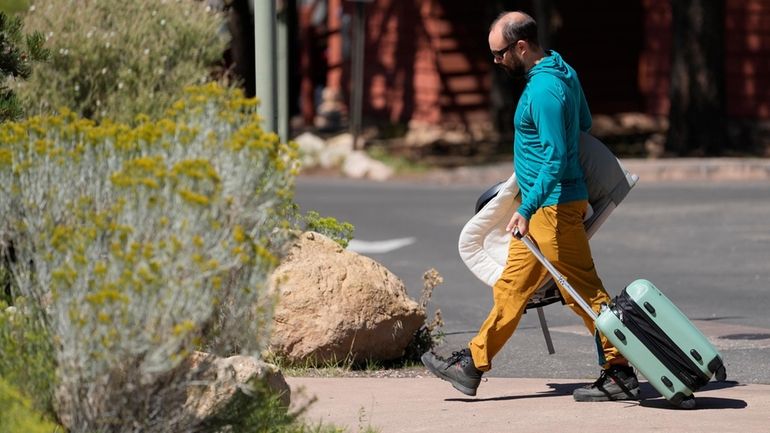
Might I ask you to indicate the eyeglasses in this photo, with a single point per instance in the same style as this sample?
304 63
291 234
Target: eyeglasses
500 53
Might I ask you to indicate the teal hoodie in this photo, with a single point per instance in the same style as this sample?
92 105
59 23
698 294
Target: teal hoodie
550 114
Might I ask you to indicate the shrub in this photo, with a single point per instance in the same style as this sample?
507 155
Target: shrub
27 360
5 282
17 415
429 335
17 53
117 58
145 243
340 232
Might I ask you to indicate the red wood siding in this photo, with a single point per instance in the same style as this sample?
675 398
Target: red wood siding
420 66
747 57
655 58
747 48
427 60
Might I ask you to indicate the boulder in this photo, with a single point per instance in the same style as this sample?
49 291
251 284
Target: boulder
421 134
336 150
379 171
337 305
356 165
638 123
184 399
359 165
310 148
217 381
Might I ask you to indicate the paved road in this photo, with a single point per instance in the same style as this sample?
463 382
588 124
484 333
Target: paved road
706 245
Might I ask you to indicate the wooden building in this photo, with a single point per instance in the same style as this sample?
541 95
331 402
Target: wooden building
428 63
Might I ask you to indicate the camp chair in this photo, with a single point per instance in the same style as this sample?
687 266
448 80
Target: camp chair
483 242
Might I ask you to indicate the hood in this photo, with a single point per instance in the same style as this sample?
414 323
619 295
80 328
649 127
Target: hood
552 64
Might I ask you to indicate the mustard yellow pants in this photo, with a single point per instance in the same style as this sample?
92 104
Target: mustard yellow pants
559 233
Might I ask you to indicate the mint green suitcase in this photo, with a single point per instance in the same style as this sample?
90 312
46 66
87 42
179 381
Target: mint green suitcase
660 341
655 337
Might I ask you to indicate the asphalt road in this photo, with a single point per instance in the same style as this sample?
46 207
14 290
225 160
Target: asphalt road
706 245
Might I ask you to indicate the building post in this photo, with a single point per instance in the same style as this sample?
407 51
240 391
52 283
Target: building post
357 80
282 70
265 60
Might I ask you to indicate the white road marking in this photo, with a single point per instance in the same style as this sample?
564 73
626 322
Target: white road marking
378 247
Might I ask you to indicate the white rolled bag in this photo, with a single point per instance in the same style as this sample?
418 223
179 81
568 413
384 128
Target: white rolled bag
483 242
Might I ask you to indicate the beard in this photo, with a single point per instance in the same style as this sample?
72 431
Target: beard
516 70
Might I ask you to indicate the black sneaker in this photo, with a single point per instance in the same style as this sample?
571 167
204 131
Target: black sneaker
615 383
458 370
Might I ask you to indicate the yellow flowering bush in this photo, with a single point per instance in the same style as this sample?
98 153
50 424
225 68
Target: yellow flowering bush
144 243
115 58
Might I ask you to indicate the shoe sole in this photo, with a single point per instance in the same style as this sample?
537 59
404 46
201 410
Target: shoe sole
634 396
440 374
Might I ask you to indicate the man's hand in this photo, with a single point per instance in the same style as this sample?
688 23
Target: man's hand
518 221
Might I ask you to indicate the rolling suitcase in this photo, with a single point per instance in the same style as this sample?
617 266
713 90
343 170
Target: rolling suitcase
651 332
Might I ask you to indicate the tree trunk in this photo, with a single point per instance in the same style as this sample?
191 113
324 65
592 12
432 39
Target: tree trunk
241 26
697 118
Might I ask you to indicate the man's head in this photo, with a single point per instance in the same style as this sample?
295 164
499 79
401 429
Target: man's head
513 42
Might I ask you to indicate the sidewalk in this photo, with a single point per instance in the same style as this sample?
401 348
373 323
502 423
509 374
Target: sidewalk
427 404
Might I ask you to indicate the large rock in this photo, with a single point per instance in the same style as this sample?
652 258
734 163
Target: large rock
217 381
336 305
336 150
183 400
359 165
310 148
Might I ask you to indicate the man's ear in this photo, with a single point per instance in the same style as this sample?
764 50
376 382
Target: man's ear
522 46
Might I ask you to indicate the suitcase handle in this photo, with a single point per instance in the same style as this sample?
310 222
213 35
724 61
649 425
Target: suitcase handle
555 273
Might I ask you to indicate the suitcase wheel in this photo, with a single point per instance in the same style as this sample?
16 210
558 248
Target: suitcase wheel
687 403
721 373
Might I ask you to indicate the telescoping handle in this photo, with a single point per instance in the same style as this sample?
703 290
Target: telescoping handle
556 274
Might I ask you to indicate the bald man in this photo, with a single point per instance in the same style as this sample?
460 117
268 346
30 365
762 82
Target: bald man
551 113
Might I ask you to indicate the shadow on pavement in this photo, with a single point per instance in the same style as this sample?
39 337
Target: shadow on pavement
654 400
557 389
702 403
651 397
720 385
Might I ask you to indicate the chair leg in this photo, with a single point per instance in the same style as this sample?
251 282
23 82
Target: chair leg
546 333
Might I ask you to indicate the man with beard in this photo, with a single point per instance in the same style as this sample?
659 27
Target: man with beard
551 113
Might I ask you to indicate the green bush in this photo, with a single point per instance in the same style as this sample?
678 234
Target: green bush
13 6
340 232
145 243
27 360
17 414
115 58
5 283
17 53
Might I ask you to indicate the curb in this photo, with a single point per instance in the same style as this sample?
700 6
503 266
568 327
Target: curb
648 170
698 169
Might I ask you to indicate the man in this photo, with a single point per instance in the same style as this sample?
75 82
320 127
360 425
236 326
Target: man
550 114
